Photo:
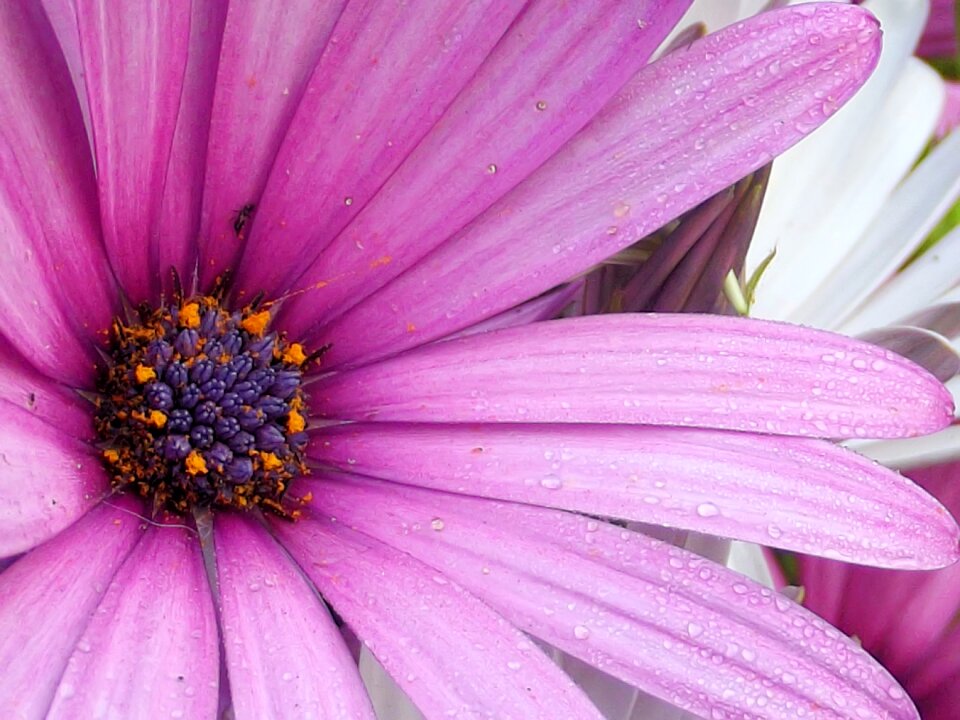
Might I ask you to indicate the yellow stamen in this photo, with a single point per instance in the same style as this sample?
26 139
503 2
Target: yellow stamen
294 354
112 456
270 461
190 315
256 324
144 374
295 422
195 463
157 418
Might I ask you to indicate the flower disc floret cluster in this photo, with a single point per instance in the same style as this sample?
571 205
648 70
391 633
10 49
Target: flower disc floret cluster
203 407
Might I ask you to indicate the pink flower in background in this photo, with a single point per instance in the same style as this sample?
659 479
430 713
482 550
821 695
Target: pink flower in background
940 35
906 620
389 176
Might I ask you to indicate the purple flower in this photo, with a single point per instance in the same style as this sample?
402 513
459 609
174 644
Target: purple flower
906 620
386 177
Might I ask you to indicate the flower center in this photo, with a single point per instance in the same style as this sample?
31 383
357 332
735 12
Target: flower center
202 407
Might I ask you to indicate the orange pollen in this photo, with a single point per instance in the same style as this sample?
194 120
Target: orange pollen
295 421
195 463
294 354
257 323
270 461
190 315
144 374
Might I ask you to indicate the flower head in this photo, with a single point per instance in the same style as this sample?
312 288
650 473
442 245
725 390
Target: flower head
353 183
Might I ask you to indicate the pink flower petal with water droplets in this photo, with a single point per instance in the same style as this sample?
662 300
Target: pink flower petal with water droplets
268 52
150 649
795 493
47 480
686 127
48 596
551 73
134 61
690 370
277 634
389 73
672 623
57 293
449 652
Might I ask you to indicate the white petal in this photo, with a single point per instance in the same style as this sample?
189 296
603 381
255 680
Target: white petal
901 225
920 285
825 191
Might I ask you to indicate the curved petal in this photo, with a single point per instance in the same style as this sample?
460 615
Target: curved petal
824 193
134 60
895 231
919 285
551 73
56 290
348 137
676 625
48 480
693 370
179 219
273 672
150 649
928 349
685 127
544 307
795 493
23 386
417 622
269 50
940 34
48 596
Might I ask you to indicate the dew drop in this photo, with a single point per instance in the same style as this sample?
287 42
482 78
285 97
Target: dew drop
581 632
491 168
551 482
707 510
437 524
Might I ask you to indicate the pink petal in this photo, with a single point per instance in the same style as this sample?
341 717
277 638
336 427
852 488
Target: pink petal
449 652
57 292
795 493
927 348
269 51
348 137
551 73
179 221
692 370
24 387
940 34
48 596
48 481
278 637
686 127
134 62
150 650
669 622
950 116
545 307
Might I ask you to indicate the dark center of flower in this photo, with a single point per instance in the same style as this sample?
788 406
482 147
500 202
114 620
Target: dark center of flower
203 407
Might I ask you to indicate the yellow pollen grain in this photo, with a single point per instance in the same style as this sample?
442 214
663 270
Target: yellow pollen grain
190 315
295 421
195 463
294 354
157 418
112 456
144 374
270 461
256 324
